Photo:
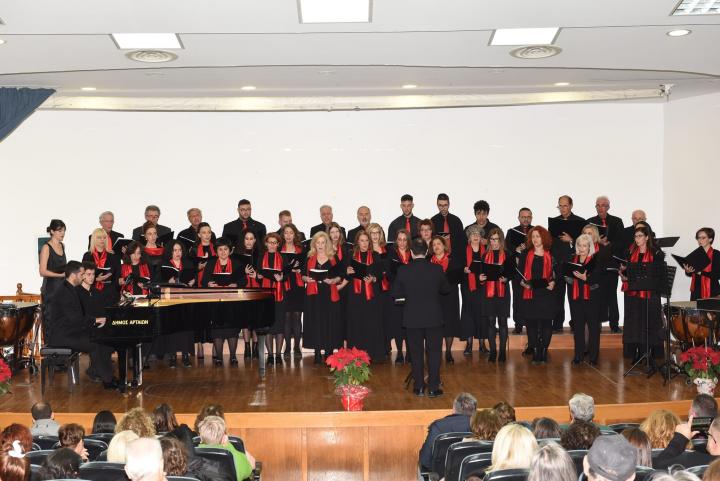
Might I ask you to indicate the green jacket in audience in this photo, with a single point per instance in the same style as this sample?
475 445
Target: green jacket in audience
242 466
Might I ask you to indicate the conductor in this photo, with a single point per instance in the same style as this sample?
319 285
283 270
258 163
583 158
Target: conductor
421 284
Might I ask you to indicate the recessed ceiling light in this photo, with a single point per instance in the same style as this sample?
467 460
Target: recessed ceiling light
334 11
2 41
126 41
248 87
697 7
681 32
524 36
561 84
409 86
88 89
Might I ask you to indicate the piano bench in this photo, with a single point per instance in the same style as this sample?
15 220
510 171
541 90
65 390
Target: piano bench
59 357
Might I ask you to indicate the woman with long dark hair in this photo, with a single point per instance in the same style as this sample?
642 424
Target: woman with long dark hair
52 266
294 298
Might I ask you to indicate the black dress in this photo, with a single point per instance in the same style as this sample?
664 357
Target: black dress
364 322
267 261
636 331
542 305
498 306
394 322
709 276
236 276
586 300
450 303
473 322
295 287
323 315
50 285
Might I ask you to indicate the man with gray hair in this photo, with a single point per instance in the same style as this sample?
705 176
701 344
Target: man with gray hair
107 221
464 406
152 214
582 408
364 216
326 218
144 460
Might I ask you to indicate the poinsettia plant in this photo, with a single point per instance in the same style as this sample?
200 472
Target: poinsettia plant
701 362
5 375
350 366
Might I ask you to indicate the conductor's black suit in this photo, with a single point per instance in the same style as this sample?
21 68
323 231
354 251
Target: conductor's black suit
421 284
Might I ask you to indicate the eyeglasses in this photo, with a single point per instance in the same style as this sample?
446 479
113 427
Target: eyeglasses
494 238
563 206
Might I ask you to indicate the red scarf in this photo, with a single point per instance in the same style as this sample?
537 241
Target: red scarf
154 251
100 260
312 287
201 255
339 252
277 265
705 282
385 283
404 258
576 282
494 288
443 262
298 275
635 257
472 277
126 270
547 270
357 283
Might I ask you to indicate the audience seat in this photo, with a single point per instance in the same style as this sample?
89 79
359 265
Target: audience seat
45 442
643 472
36 447
221 456
507 475
54 358
35 472
94 448
103 471
234 440
475 464
107 437
699 471
439 450
38 457
102 456
544 441
459 451
620 427
577 455
181 478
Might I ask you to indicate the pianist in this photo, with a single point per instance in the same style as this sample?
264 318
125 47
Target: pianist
70 326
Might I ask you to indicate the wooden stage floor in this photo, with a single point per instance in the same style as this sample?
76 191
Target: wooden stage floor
301 386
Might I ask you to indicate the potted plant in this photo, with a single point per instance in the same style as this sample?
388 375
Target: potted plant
702 365
351 368
5 375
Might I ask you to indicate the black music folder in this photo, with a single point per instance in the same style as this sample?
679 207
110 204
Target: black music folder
245 260
167 272
515 238
476 267
165 238
100 271
120 243
572 227
534 283
269 273
665 242
222 279
602 229
569 267
493 271
362 270
698 259
319 275
292 259
189 243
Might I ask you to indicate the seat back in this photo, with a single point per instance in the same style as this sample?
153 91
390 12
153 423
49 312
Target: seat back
107 437
439 450
620 427
222 457
93 446
181 478
544 441
103 471
102 456
643 472
507 475
577 455
36 447
38 457
459 451
475 464
605 432
699 471
234 440
655 452
45 442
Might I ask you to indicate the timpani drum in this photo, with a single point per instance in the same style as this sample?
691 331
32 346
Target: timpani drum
693 326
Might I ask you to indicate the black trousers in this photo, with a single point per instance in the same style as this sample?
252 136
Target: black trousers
613 313
517 291
559 319
583 315
100 355
420 340
539 332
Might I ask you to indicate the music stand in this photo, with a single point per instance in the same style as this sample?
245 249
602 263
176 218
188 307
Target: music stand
644 276
669 369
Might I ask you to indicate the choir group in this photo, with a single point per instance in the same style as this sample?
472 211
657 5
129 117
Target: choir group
334 289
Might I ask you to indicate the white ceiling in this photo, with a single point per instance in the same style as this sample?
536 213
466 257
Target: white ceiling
442 46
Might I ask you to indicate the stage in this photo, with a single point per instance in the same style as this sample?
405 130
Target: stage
290 419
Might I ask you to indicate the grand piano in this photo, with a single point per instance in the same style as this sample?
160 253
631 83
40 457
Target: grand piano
138 320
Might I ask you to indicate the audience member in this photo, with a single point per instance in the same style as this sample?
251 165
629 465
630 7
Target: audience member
63 463
104 422
675 452
611 458
14 466
677 475
17 432
712 473
43 420
704 406
174 456
213 435
208 410
514 448
660 426
505 412
145 460
71 436
582 408
641 441
484 424
117 448
464 406
545 428
138 421
164 419
579 435
552 463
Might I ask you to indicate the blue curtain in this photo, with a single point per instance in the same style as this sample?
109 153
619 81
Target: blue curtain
17 104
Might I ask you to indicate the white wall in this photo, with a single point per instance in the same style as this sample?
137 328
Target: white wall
73 165
692 170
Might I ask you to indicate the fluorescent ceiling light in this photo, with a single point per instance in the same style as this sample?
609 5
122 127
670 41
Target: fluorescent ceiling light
248 87
409 86
126 41
679 33
88 89
561 84
334 11
697 7
524 36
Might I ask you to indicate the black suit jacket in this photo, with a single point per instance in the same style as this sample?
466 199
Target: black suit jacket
457 232
323 228
675 453
562 250
615 227
421 283
354 232
399 223
234 228
161 230
454 423
69 321
191 234
113 237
